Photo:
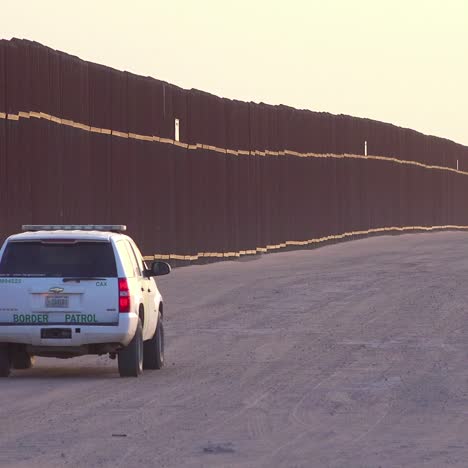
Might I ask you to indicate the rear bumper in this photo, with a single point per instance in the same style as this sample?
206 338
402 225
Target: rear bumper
81 335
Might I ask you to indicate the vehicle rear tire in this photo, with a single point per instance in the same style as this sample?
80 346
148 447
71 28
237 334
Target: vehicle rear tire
130 358
5 362
22 360
154 348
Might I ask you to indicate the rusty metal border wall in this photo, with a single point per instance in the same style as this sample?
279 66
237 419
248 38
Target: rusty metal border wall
84 143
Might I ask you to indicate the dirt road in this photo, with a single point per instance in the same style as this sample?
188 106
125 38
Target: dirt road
352 355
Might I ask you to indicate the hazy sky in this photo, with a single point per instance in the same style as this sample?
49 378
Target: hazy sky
399 61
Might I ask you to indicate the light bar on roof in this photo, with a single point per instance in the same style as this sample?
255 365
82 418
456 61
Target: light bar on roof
75 227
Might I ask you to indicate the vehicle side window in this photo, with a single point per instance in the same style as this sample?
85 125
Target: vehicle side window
133 259
128 264
138 256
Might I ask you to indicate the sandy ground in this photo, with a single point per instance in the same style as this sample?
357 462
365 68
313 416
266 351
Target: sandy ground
352 355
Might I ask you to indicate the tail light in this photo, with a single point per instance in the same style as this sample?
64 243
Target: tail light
124 296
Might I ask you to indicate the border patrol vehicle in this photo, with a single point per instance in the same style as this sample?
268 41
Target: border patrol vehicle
72 290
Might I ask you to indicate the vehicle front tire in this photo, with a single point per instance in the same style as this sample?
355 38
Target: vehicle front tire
5 361
154 348
130 358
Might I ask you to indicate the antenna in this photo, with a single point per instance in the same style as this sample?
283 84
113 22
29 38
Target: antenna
176 129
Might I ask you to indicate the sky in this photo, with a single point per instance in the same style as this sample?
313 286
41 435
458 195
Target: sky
398 61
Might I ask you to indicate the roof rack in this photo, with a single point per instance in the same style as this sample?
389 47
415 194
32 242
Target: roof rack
75 227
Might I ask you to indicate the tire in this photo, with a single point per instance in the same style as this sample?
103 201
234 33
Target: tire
5 362
22 360
154 348
131 357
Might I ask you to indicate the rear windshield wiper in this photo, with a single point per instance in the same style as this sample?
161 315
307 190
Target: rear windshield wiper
83 278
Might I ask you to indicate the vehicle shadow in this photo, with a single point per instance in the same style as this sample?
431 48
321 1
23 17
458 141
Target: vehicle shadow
56 372
90 371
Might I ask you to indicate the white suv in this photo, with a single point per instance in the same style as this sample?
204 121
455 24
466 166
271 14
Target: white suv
68 291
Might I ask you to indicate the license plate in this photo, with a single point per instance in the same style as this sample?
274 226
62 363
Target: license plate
59 302
56 333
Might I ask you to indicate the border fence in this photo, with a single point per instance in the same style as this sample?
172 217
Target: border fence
194 175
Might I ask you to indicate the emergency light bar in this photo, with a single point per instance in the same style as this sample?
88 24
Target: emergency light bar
75 227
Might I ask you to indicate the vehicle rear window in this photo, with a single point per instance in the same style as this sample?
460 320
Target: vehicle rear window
83 259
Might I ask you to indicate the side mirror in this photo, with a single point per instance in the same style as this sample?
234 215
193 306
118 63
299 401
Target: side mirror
159 269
